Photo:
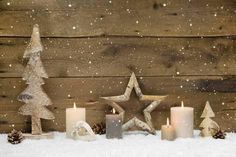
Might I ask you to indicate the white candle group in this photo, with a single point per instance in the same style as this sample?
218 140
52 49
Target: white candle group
73 115
182 121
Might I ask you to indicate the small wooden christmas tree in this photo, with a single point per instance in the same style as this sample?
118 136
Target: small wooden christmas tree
209 126
33 96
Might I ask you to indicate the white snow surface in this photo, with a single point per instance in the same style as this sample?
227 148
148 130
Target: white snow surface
132 145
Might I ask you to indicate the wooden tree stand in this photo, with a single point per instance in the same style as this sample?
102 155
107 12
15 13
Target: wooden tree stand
49 135
37 130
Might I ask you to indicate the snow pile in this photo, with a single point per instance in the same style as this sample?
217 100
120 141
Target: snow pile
132 145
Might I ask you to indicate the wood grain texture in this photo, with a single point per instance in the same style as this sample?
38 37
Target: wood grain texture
86 91
76 57
91 4
175 47
126 18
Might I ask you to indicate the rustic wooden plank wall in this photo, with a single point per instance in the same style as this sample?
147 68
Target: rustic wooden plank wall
182 48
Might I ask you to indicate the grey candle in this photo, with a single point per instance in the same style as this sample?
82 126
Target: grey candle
113 126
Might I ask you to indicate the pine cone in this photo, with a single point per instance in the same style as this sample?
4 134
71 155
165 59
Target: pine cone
15 137
99 128
219 135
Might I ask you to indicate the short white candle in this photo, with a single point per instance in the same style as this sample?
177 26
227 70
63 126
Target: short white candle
167 131
73 115
182 121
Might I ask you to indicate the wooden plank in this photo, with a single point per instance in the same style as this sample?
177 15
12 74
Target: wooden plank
65 91
226 120
91 4
11 119
76 57
98 115
142 18
89 89
7 128
194 91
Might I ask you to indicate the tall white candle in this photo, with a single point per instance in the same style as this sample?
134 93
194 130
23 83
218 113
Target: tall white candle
73 115
182 121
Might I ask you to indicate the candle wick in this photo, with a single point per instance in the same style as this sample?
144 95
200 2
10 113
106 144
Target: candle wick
182 104
74 105
167 122
113 111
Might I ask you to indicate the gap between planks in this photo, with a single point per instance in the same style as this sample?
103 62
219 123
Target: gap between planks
230 36
146 76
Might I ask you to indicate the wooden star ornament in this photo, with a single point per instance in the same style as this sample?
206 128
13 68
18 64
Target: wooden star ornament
156 100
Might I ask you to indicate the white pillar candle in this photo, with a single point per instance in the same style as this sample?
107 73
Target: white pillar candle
182 121
73 115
